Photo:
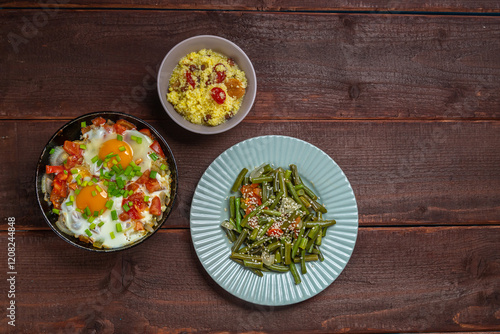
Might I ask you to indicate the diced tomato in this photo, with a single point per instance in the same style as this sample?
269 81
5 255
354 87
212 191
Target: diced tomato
109 128
157 148
126 124
251 194
59 192
138 226
133 186
62 176
53 169
98 121
147 132
137 199
124 216
73 160
143 178
153 185
73 186
86 129
275 232
72 148
119 128
134 214
155 208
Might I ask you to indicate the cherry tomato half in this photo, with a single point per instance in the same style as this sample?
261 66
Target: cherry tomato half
218 95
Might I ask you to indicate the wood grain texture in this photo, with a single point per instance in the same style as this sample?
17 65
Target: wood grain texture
392 6
398 279
414 173
309 66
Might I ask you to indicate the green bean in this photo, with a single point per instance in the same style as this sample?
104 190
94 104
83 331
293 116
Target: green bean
303 243
262 179
315 205
288 247
321 223
278 268
313 233
295 175
254 233
303 268
255 271
295 274
299 186
271 212
281 178
277 256
237 214
276 184
239 180
307 258
276 200
230 234
300 192
265 228
317 251
310 193
232 207
288 173
307 204
247 257
324 231
252 264
265 191
239 241
253 245
292 191
273 246
297 242
244 222
319 238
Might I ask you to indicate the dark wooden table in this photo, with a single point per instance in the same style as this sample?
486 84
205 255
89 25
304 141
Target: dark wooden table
403 95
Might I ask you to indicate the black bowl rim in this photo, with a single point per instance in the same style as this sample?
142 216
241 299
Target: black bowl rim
173 171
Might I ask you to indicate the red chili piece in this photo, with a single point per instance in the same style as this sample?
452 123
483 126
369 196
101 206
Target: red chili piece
189 79
220 76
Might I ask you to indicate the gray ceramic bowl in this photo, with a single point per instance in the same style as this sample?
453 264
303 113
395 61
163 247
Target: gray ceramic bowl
72 131
217 44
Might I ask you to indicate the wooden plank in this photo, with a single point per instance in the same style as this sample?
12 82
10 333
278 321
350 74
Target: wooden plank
398 280
392 6
309 66
401 172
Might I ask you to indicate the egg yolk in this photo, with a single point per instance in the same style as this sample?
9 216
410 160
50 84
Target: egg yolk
92 198
120 148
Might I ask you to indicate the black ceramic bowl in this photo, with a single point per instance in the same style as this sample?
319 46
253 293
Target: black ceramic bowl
72 131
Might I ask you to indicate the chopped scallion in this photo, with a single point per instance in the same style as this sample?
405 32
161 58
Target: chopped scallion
112 235
94 159
52 151
56 211
118 227
83 146
109 204
69 203
99 189
74 171
88 232
153 156
84 124
77 191
92 226
146 199
114 215
119 137
152 175
100 224
94 193
126 207
163 167
122 148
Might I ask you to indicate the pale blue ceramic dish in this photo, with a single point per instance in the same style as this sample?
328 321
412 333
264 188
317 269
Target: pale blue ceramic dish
209 209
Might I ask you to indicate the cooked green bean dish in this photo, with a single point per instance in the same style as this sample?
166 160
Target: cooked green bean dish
275 221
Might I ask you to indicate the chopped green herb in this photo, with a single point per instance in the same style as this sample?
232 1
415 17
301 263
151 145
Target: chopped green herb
84 124
88 232
114 216
118 158
153 156
122 148
92 226
56 211
91 219
118 227
163 167
109 204
94 193
96 213
69 203
119 137
112 235
100 224
72 198
94 159
77 191
83 146
152 175
65 172
99 189
146 199
87 211
138 140
90 183
74 171
52 151
125 207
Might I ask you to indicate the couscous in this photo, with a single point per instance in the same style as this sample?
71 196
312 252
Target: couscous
207 88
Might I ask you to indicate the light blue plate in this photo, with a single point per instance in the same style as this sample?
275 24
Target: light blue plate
210 207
